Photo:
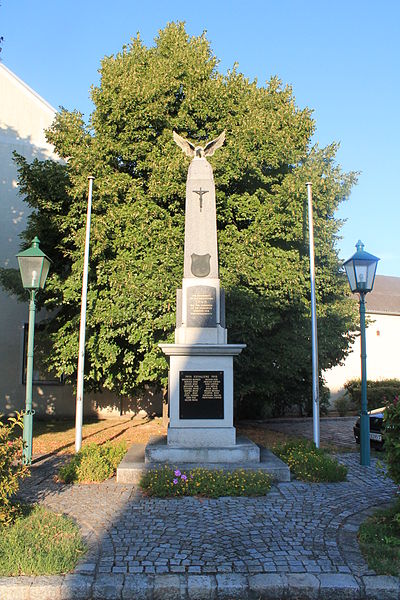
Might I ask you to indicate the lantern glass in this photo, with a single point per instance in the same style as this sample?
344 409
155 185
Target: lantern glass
31 268
361 269
34 266
45 272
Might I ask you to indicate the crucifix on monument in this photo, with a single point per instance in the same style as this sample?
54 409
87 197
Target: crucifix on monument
201 193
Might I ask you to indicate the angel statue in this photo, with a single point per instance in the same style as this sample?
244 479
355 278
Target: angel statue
198 151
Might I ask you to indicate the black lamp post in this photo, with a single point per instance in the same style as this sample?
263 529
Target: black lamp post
360 271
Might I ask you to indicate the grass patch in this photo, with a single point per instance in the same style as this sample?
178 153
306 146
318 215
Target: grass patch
93 463
309 463
379 538
171 482
39 543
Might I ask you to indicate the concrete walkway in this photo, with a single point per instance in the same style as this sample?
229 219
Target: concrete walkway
299 541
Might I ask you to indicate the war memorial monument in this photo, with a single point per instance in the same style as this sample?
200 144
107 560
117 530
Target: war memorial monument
200 384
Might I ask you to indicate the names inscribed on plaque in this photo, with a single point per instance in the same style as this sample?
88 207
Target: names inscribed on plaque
201 395
201 306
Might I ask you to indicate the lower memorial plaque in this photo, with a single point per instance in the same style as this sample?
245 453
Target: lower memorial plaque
201 394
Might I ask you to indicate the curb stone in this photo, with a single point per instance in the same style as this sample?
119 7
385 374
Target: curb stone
231 586
16 588
382 587
108 587
303 585
274 586
201 587
268 587
340 585
137 586
167 586
45 588
75 587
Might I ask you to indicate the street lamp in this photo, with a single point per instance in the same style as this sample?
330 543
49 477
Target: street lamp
34 266
360 271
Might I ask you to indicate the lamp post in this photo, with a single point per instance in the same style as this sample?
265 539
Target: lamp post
360 271
34 266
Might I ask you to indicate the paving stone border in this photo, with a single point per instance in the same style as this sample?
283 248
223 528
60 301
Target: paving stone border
274 586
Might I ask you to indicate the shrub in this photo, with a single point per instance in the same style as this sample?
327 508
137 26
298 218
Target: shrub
11 468
342 405
378 392
391 419
169 481
40 543
309 463
93 463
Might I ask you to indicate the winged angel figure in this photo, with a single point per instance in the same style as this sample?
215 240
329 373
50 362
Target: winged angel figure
198 151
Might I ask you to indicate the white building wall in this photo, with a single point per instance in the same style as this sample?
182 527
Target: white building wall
23 118
382 345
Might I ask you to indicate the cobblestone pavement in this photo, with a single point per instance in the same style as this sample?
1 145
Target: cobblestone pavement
299 530
337 431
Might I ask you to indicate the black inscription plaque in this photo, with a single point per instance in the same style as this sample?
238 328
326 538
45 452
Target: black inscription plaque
201 306
201 394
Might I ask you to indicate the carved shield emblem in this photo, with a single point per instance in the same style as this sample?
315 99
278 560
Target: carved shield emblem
200 264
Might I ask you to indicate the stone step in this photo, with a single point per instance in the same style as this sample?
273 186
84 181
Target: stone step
133 465
199 451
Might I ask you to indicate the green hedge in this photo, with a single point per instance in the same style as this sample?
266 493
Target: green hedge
12 471
93 463
392 441
308 463
379 393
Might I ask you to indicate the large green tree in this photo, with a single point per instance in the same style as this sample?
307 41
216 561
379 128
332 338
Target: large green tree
136 260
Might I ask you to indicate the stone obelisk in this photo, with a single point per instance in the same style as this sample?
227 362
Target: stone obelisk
200 387
200 302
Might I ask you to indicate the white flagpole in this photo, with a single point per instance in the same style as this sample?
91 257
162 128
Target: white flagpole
82 331
313 321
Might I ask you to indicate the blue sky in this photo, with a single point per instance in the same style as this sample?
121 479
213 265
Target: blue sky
341 58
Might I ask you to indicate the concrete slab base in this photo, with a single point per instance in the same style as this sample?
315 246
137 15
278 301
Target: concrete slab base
133 465
158 450
198 437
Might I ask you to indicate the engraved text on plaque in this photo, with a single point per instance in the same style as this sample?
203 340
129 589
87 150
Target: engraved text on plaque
201 394
201 306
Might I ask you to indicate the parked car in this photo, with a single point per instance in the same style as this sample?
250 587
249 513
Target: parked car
376 434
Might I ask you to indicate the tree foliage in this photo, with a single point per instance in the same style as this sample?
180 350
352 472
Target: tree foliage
136 260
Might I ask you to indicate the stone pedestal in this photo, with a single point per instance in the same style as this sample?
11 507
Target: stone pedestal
201 405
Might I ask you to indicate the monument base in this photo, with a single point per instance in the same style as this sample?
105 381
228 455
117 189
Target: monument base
133 465
243 452
189 437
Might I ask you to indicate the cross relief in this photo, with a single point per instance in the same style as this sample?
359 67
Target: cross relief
201 193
